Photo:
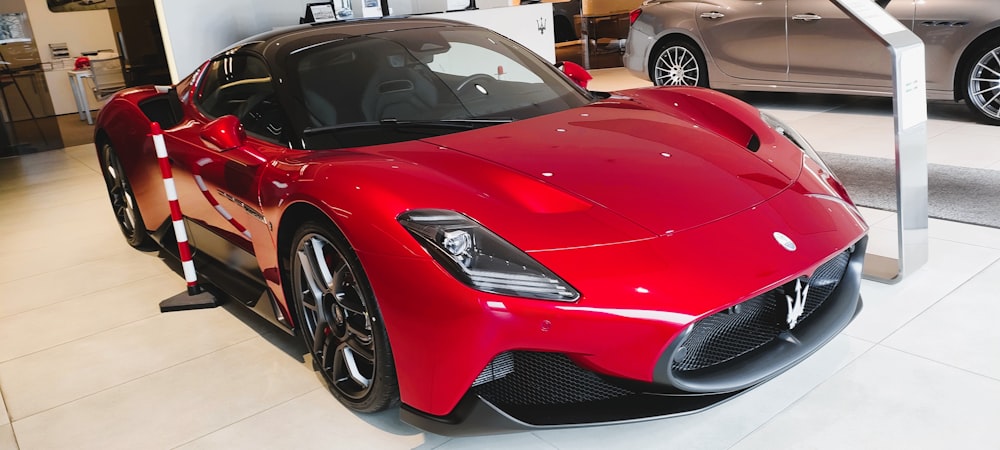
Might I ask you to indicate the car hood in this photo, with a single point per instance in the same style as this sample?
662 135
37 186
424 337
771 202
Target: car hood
665 170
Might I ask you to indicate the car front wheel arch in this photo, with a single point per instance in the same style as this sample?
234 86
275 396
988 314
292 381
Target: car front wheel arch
337 315
123 200
977 79
291 220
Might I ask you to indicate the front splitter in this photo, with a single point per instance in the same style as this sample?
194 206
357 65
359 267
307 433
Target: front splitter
475 416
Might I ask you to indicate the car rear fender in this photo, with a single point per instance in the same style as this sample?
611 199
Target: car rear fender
682 24
123 118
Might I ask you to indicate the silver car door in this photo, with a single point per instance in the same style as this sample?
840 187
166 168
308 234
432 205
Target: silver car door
825 46
745 38
947 28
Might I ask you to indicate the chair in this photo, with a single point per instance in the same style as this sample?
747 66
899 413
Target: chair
107 77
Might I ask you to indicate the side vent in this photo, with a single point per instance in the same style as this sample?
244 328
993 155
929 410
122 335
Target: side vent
500 367
944 23
165 109
708 116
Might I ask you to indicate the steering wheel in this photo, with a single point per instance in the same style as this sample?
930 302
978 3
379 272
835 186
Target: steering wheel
471 78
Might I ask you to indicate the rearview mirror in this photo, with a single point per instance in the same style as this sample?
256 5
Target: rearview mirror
225 133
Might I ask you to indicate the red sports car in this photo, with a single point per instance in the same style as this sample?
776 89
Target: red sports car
452 224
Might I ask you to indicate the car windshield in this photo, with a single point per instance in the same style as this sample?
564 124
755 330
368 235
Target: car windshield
408 84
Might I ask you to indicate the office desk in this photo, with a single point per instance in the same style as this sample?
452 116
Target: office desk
80 93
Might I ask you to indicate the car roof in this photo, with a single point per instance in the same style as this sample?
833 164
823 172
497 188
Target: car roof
269 43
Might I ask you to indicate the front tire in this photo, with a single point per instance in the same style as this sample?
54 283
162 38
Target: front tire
982 83
123 199
339 319
677 62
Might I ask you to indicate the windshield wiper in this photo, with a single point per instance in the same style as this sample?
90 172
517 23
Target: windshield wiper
451 124
470 121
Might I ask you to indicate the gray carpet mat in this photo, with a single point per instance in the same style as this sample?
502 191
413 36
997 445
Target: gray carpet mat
957 194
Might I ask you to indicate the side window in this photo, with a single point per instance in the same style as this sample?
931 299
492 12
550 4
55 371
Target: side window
241 86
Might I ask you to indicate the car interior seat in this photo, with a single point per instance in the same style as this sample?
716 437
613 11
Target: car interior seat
322 112
398 91
319 104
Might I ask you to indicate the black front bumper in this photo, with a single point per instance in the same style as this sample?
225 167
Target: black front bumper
736 349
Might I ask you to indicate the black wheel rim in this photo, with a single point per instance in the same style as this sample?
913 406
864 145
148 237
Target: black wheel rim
676 66
336 323
984 84
122 201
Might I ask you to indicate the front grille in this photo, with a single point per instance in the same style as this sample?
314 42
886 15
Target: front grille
500 367
549 389
734 332
536 378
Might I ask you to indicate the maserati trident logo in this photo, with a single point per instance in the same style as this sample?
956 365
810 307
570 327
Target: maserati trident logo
797 304
542 24
785 241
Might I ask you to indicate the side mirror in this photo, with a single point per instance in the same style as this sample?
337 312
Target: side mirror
577 73
225 133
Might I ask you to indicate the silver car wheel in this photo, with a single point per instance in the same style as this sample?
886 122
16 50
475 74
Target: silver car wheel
677 66
335 316
984 85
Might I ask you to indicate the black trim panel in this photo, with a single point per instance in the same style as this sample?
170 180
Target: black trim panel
474 416
223 279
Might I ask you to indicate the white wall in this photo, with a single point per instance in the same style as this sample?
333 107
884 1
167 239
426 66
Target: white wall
519 23
195 30
81 31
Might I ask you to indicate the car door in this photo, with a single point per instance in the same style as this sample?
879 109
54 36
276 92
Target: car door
217 168
746 38
826 46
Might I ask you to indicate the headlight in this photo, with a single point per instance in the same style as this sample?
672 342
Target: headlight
796 139
481 259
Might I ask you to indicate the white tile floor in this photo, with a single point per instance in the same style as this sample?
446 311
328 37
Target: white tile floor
88 362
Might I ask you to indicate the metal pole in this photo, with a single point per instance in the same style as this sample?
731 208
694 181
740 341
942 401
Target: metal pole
910 123
195 297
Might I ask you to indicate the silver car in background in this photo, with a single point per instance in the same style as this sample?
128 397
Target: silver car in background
812 46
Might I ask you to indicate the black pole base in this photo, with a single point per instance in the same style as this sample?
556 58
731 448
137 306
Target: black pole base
185 301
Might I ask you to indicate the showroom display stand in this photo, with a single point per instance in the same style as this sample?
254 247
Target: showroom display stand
910 120
187 301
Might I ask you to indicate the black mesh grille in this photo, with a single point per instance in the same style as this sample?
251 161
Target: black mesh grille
544 379
737 331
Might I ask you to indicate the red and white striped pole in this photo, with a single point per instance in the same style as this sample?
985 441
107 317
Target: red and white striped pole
175 210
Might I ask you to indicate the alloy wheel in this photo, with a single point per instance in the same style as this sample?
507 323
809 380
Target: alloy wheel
984 85
119 191
336 324
677 66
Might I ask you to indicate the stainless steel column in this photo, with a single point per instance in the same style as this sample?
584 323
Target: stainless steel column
910 120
